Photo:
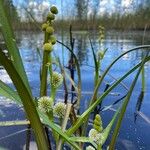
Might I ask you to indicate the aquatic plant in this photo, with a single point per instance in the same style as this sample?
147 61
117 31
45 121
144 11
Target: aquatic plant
45 113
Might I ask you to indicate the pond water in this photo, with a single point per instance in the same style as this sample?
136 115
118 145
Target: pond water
134 135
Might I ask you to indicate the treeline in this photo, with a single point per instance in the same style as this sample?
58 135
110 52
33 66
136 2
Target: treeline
134 17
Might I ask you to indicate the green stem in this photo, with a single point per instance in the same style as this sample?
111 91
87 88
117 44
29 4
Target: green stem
99 147
53 90
78 71
43 88
143 79
52 94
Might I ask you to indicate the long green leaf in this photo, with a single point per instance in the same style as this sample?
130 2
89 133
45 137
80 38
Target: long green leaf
124 106
8 92
27 102
83 140
94 55
10 42
14 123
107 130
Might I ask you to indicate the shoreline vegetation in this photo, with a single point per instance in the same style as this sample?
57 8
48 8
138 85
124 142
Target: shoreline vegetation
121 19
87 25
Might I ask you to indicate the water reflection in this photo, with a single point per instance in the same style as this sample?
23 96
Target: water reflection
82 48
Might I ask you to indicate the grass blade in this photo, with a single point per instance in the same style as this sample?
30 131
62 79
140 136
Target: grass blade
27 102
14 123
124 106
8 92
107 130
12 48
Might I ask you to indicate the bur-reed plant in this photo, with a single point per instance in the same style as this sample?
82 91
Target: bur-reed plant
47 109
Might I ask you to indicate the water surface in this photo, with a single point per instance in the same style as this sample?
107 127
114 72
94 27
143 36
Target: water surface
133 135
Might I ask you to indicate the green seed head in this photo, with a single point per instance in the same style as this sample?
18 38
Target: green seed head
48 47
57 79
45 104
59 109
44 26
97 124
50 30
50 16
52 40
54 10
98 117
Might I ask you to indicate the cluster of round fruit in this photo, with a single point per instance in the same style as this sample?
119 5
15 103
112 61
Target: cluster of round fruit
47 27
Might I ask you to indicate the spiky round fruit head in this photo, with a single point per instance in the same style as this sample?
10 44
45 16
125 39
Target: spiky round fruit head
45 104
97 117
50 30
53 40
57 80
54 10
48 47
59 109
50 16
44 26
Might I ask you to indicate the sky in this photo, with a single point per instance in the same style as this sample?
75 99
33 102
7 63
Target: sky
39 6
125 3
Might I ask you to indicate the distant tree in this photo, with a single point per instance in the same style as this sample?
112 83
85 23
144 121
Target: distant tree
143 9
82 9
94 6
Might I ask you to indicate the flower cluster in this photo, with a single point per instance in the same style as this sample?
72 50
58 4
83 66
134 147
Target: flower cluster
45 104
57 79
92 134
95 136
50 40
59 109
